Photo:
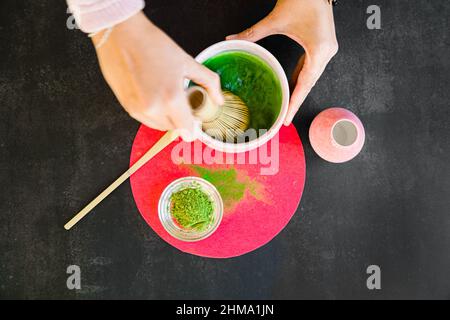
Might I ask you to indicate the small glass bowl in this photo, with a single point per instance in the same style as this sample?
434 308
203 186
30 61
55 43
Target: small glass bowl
169 222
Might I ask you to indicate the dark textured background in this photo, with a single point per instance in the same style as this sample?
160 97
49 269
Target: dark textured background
63 137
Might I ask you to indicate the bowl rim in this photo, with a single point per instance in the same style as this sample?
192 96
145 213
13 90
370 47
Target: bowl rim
269 58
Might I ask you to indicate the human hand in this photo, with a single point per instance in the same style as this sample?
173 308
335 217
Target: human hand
146 71
310 23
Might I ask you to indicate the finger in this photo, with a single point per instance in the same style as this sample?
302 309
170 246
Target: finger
157 125
160 122
260 30
207 79
183 120
308 75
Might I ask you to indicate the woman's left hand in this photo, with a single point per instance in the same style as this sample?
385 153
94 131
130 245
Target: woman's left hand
310 23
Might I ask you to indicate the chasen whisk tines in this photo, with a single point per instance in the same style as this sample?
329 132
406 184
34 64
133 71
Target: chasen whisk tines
224 122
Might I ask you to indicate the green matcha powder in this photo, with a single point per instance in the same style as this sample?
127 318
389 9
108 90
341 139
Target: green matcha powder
192 209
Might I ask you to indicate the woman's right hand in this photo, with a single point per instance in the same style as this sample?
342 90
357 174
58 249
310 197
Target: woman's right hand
146 71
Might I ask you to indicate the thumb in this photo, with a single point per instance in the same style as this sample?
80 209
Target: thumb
260 30
308 73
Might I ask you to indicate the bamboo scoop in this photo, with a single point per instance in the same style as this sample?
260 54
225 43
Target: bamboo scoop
233 116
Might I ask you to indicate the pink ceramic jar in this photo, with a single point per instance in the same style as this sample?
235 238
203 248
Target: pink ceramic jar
337 135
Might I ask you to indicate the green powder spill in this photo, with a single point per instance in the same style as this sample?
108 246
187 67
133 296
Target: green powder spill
231 187
192 208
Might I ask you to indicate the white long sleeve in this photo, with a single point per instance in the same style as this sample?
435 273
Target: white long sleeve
95 15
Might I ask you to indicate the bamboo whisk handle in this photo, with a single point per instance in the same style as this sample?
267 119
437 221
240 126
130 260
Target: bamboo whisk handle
202 105
154 150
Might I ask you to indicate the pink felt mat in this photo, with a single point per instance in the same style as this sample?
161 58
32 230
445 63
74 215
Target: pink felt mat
257 207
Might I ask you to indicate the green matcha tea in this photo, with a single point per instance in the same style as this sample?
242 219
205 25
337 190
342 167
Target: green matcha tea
254 81
192 209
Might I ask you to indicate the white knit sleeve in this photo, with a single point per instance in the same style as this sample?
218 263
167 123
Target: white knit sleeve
95 15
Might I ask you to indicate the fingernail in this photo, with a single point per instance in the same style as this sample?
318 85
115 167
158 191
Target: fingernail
197 129
288 120
231 37
187 138
186 135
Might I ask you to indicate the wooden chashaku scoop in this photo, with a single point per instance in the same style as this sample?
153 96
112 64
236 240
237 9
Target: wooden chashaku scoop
221 122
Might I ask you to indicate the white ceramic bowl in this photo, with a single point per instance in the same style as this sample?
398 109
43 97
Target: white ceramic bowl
257 50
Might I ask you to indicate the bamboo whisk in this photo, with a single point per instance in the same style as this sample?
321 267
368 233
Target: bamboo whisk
224 122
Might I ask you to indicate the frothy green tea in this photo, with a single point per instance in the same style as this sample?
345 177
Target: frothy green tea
254 81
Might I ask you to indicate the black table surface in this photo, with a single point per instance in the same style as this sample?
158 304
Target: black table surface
63 137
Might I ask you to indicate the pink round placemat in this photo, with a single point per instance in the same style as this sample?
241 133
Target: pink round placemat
257 206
